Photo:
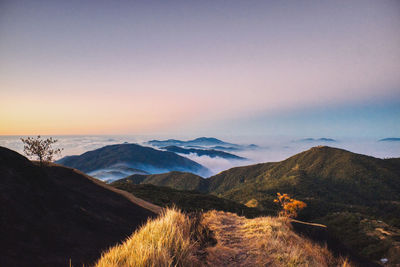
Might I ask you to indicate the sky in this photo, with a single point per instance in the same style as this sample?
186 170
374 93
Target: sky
306 68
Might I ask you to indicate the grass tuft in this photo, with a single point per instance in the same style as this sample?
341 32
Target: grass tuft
164 241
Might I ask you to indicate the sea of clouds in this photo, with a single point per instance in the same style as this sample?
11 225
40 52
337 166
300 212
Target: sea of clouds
271 149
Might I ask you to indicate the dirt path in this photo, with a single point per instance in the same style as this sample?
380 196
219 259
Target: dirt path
138 201
232 247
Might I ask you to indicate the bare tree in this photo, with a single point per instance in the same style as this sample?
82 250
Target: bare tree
40 148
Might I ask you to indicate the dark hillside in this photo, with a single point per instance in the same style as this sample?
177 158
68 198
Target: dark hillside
177 180
53 214
185 200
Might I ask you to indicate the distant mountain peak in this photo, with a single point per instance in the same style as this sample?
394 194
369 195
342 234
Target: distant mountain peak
322 139
202 152
202 143
209 139
390 139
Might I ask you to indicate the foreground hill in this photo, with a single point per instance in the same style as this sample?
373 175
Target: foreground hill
218 239
187 201
177 180
52 215
146 159
338 186
322 173
335 183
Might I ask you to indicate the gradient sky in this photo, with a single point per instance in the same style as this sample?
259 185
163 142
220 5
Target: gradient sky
200 67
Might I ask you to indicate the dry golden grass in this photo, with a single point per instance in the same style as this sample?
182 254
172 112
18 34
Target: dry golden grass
165 241
264 241
169 240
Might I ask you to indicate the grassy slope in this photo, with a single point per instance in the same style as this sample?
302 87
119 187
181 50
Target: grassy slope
185 200
329 180
336 184
322 173
175 239
371 238
175 179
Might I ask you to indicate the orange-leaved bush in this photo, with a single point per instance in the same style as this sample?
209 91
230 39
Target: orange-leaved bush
290 206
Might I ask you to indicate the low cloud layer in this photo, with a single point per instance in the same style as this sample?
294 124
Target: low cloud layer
216 164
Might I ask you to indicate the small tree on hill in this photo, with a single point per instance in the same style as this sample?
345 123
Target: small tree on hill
40 148
290 206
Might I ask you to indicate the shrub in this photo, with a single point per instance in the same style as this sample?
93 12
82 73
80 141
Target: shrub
290 206
40 148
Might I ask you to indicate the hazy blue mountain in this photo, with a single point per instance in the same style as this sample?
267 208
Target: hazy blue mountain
169 142
390 139
203 152
226 148
323 139
206 141
115 172
201 141
130 159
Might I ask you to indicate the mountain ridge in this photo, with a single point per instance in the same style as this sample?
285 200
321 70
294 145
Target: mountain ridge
133 156
322 162
200 141
390 139
203 152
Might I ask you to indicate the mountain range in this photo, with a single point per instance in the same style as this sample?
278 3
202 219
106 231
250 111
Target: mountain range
128 159
203 152
202 143
330 167
322 139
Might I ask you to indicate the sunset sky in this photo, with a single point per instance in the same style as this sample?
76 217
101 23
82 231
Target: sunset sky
200 67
